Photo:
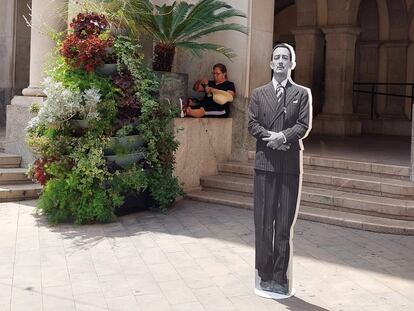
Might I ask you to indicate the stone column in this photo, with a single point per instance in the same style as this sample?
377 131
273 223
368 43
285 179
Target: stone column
257 70
47 15
337 118
410 79
310 55
408 107
6 56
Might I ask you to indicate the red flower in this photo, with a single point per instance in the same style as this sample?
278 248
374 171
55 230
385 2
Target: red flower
85 53
39 170
85 24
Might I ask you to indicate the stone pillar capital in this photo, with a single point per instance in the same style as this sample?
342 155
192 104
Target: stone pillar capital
341 29
307 30
396 43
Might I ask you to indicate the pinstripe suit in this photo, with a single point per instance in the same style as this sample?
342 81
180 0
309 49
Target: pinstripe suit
277 174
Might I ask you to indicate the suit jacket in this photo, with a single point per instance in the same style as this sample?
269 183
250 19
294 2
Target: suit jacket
266 114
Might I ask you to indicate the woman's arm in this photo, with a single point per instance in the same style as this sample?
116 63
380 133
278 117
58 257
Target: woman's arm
198 87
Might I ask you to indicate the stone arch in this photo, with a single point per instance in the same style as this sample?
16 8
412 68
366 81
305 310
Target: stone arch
398 19
353 8
285 21
322 12
384 20
306 13
342 12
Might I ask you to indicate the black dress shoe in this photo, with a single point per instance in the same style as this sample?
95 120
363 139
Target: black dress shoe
280 289
266 285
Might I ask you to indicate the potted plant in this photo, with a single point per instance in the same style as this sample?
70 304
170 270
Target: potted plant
122 112
179 25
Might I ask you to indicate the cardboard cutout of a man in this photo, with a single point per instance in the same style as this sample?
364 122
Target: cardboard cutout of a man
280 116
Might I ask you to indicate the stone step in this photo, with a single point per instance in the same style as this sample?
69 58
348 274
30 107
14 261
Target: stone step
360 167
364 184
351 182
13 176
314 161
324 198
339 218
19 192
9 160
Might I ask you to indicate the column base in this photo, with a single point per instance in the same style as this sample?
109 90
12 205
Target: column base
33 91
18 116
336 125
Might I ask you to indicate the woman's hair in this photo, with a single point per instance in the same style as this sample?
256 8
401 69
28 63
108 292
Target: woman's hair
222 68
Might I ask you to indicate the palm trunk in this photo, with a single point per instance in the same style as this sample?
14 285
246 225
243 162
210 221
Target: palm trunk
163 57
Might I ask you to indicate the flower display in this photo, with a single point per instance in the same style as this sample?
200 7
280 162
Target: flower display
89 170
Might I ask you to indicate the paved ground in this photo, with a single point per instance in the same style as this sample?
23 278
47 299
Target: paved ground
199 257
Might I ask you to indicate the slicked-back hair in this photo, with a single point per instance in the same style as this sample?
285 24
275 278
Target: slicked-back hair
282 45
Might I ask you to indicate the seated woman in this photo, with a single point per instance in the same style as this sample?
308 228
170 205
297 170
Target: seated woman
218 94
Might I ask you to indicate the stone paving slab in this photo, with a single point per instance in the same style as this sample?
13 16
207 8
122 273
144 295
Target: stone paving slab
198 257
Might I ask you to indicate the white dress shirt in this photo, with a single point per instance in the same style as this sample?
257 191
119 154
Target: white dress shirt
276 84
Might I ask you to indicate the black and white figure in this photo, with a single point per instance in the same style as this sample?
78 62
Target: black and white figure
280 116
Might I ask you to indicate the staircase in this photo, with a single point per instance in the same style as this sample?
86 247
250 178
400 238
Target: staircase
362 195
14 184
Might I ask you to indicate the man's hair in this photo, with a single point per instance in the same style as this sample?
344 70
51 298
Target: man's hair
282 45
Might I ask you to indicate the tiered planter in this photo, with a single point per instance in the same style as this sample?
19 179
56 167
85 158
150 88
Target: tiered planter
107 69
129 146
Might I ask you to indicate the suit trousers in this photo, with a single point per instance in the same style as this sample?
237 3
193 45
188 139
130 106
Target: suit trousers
275 203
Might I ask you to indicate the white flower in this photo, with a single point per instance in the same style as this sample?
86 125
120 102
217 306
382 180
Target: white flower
91 98
32 124
62 104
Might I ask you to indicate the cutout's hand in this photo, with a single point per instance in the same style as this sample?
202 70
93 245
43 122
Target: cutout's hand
283 147
274 136
274 144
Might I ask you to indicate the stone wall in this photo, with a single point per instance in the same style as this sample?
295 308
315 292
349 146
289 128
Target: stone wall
204 142
18 116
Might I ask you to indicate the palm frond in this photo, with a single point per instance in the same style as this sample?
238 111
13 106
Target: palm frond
223 27
205 14
198 49
179 14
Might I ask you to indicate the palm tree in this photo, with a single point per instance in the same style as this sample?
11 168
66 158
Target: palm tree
180 25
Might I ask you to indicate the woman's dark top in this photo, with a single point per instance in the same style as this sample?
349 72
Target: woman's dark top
209 105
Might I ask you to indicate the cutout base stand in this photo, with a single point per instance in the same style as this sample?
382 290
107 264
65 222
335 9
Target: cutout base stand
272 295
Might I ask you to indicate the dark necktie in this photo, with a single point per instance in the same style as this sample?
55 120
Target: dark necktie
279 93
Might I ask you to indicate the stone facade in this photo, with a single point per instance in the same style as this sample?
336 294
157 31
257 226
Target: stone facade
337 43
